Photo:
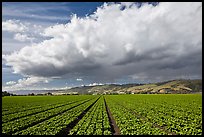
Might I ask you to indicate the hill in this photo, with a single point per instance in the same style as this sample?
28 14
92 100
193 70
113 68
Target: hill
167 87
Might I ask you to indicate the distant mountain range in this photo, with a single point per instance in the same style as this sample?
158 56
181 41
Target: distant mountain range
168 87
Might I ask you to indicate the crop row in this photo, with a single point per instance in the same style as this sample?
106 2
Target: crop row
7 118
26 103
56 124
130 124
104 115
21 103
95 122
169 117
25 122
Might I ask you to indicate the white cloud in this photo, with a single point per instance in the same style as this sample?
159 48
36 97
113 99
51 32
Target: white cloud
10 82
79 79
13 26
163 40
17 34
64 88
95 84
25 83
32 80
22 37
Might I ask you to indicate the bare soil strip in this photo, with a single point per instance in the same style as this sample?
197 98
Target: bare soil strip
146 119
37 122
40 111
114 128
71 125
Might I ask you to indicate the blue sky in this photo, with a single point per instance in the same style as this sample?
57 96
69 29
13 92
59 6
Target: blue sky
49 45
46 12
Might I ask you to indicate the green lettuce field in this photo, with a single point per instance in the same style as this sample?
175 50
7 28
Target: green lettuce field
138 114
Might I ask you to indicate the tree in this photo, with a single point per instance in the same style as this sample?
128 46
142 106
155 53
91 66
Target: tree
32 94
5 93
49 93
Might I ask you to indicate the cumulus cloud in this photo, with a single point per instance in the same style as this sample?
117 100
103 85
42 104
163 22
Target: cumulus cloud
22 31
13 26
22 37
145 42
25 83
10 82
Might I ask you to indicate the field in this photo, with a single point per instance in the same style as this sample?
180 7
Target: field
141 114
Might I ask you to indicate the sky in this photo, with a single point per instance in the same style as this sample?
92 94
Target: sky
58 45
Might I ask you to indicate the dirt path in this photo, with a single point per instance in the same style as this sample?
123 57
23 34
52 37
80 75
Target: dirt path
114 127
